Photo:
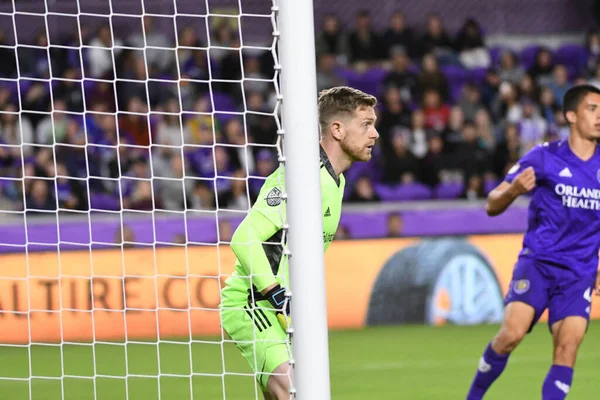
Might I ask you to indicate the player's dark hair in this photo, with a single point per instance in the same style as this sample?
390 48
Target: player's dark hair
575 96
341 100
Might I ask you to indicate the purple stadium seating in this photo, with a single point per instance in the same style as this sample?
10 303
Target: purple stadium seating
455 73
574 56
385 192
489 185
528 55
411 191
457 76
100 201
223 102
495 53
477 75
370 81
448 190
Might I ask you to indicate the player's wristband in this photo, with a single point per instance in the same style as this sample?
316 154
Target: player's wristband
276 296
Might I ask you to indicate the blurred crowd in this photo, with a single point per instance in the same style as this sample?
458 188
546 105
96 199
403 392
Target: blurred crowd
178 127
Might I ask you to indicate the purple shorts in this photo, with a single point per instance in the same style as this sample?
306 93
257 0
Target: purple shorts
544 285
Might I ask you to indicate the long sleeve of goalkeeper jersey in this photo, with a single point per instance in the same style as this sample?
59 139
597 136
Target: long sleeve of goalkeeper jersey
247 244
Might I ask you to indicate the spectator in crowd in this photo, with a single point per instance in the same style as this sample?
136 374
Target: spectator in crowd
326 75
225 230
399 164
548 104
395 225
8 66
395 113
508 151
470 101
363 192
532 126
332 40
437 41
150 39
435 111
39 197
400 77
125 235
399 37
364 43
100 53
435 162
439 122
592 44
470 46
15 130
560 83
509 68
69 91
541 72
432 78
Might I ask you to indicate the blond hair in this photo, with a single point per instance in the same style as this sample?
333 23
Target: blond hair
341 100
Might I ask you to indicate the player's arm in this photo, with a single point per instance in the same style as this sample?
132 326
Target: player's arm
506 193
247 245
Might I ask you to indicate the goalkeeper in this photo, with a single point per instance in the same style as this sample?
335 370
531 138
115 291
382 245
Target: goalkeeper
255 309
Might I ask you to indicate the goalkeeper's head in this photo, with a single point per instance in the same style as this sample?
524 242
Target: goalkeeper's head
347 121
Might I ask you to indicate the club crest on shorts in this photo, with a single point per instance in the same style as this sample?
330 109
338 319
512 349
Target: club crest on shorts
521 286
274 197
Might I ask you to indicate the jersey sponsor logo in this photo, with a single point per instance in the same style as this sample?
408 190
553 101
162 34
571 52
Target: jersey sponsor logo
563 387
514 168
274 197
521 286
576 197
328 237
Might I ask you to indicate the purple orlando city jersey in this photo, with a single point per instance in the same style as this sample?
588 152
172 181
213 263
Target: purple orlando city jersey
564 213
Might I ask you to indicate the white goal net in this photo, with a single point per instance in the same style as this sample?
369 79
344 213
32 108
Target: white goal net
135 135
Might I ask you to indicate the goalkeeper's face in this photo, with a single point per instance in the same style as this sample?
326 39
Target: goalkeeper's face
359 134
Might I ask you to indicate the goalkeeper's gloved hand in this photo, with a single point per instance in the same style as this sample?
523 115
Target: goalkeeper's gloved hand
276 296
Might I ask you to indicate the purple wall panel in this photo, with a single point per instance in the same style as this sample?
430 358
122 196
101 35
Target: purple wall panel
440 222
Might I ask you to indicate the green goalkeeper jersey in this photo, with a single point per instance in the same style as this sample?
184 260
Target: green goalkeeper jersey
257 241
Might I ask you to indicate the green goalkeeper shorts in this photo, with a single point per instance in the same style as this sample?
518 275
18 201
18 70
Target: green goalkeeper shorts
257 333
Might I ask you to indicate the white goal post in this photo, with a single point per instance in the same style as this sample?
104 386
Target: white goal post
133 137
307 273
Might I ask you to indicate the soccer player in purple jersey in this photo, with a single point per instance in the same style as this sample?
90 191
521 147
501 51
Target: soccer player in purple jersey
557 268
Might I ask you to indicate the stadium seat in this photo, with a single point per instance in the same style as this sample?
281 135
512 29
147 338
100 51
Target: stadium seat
477 75
413 191
574 56
455 73
489 185
528 55
223 102
495 53
369 82
102 201
449 190
356 171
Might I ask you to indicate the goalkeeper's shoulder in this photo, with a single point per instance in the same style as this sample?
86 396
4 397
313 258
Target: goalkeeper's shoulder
271 191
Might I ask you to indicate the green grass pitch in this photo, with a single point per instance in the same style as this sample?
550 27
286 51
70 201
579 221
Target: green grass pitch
401 362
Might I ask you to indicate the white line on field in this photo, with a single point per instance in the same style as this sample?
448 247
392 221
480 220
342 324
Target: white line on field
457 362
